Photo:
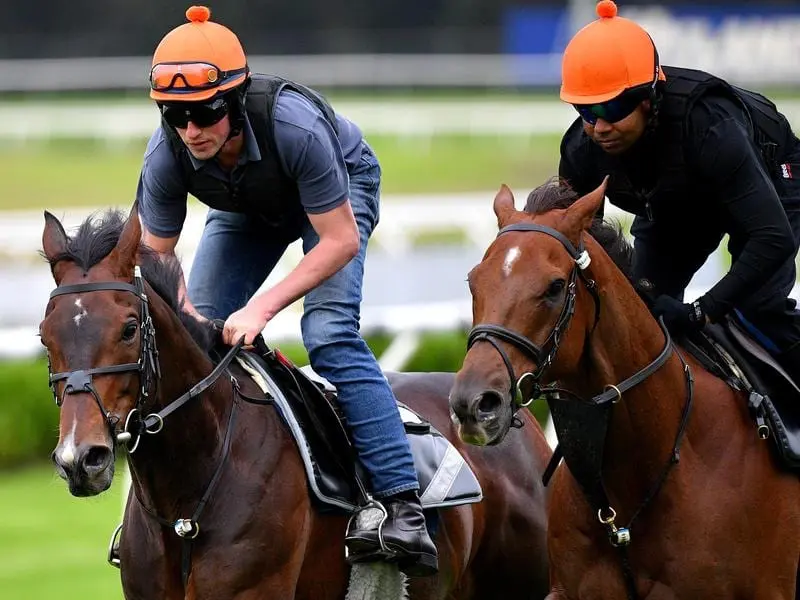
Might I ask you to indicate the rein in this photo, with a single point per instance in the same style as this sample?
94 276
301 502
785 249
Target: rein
582 424
149 370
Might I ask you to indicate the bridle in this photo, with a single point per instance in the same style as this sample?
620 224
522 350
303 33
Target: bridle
543 355
583 453
148 368
80 381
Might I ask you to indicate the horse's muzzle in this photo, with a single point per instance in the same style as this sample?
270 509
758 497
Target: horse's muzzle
477 415
88 470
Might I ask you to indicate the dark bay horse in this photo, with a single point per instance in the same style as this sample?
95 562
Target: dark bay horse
120 349
662 458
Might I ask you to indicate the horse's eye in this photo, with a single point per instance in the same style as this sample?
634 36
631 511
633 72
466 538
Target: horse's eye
129 331
555 288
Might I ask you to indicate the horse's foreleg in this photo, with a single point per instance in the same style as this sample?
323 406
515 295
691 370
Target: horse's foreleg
274 588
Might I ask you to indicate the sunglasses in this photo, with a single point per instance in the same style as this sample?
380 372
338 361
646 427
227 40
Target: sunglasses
178 114
613 110
190 77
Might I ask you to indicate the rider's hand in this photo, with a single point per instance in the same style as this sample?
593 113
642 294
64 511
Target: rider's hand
248 322
679 317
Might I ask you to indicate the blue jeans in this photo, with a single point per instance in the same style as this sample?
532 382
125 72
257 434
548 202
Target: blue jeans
233 259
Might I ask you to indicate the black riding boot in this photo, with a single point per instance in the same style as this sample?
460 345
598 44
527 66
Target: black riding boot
405 538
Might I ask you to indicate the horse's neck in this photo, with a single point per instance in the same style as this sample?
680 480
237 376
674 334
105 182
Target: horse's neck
644 424
171 468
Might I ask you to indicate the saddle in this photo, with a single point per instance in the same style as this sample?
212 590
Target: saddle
307 406
728 351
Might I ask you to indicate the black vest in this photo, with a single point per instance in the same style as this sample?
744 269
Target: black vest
260 189
673 190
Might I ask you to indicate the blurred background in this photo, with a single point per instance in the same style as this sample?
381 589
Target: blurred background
456 97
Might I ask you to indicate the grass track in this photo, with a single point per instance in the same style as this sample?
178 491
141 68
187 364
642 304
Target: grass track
51 544
85 173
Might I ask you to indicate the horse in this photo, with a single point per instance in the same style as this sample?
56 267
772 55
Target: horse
120 347
666 491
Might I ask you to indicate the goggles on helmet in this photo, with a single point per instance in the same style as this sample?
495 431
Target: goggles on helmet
202 114
190 77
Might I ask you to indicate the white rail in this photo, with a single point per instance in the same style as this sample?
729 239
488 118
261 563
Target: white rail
117 122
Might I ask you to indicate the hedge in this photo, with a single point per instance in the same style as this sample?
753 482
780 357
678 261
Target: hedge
29 417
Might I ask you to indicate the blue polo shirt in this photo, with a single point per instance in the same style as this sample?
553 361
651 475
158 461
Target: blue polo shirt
309 151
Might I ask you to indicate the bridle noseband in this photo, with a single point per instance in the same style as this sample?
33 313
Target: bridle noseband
80 381
491 333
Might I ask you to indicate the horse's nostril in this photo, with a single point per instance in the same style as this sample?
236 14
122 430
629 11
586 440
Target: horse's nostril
489 402
97 458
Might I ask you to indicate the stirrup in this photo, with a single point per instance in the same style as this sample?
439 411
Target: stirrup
370 516
113 548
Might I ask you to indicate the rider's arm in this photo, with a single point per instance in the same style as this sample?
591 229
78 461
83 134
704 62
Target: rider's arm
310 153
161 196
724 156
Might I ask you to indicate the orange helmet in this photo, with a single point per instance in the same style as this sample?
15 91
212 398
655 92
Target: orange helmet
197 60
607 57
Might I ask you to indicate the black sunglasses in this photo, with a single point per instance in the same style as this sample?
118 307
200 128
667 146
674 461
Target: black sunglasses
613 110
179 114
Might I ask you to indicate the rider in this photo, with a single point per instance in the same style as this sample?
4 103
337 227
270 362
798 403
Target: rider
694 158
275 163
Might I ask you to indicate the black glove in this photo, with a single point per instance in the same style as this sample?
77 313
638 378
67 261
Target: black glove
679 317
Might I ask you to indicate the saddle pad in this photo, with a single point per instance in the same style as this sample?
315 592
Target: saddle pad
444 476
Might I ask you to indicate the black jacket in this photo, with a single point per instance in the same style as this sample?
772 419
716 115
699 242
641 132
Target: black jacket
710 165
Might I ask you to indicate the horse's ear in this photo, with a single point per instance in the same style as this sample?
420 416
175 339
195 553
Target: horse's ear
503 205
54 238
54 243
123 256
585 208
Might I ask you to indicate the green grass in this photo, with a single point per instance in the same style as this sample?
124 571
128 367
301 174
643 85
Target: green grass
53 545
89 173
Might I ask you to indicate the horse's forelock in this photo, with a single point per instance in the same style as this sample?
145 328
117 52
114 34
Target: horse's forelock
98 235
556 194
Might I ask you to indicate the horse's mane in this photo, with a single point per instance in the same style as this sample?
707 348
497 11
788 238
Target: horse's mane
96 238
557 194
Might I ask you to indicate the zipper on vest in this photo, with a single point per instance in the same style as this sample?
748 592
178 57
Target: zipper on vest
648 210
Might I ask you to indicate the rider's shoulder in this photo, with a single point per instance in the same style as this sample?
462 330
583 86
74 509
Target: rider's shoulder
157 144
574 139
158 156
292 108
715 108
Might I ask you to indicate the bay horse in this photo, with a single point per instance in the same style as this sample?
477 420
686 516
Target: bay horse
120 347
666 491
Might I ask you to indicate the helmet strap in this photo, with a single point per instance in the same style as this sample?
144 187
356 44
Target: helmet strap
236 100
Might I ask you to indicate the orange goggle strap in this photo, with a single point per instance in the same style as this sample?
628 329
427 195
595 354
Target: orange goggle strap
190 77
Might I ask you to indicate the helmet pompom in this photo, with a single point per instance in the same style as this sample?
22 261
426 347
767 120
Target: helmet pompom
605 9
198 14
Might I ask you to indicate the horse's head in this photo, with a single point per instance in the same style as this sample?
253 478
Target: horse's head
97 333
524 312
